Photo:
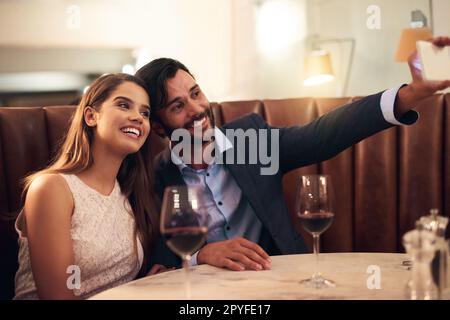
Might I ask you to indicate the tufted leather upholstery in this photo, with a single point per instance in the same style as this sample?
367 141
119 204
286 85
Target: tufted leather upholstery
383 184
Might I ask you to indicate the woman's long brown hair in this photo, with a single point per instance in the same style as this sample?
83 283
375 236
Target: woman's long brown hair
135 175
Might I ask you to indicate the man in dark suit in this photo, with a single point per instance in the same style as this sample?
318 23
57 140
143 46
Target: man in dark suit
248 215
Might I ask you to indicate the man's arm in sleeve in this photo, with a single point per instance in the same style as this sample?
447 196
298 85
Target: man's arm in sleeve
339 129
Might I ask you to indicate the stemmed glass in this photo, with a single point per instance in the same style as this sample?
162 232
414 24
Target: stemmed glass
183 224
315 210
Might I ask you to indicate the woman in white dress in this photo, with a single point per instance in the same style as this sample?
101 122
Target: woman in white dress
89 218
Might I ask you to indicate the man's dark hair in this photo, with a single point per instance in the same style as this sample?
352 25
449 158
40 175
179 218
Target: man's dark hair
155 74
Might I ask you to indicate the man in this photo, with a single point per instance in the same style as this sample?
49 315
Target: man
249 219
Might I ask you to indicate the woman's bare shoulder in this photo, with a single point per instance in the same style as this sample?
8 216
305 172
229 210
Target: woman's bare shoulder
49 184
49 191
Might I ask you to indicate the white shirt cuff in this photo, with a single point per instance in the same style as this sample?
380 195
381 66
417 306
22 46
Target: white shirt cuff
193 261
387 103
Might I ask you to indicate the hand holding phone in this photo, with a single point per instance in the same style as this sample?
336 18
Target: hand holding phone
435 61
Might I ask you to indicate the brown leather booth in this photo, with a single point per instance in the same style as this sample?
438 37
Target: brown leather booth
382 184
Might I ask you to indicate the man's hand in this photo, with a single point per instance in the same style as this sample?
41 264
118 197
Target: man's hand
238 254
420 88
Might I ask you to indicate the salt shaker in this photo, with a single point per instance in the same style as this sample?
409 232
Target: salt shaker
420 245
437 224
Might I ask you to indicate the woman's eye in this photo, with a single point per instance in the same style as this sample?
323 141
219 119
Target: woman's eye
146 114
123 105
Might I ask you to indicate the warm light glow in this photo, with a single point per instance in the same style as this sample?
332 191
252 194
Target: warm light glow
317 80
318 69
279 25
129 69
142 57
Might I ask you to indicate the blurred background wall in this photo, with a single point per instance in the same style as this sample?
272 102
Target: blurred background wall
237 49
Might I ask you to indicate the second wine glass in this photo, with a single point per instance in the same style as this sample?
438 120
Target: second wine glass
183 224
315 210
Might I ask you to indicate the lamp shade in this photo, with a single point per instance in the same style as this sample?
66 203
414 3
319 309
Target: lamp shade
318 68
408 39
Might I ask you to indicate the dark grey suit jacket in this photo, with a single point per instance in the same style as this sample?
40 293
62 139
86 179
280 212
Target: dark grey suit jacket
298 146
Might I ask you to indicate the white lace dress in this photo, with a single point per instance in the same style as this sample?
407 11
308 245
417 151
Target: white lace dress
104 242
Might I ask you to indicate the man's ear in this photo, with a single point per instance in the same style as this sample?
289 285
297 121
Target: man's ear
159 129
90 116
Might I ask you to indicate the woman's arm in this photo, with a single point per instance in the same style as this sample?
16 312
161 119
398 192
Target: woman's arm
48 211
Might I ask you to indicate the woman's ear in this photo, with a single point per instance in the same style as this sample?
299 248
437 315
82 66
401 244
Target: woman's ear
90 116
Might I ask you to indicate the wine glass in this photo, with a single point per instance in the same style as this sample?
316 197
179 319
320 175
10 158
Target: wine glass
315 210
183 224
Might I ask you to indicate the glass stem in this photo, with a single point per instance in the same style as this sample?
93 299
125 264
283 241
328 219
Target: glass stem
187 276
316 238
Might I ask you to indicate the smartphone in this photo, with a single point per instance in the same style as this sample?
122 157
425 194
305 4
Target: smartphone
435 61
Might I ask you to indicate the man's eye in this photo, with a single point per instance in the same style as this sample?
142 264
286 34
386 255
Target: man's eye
195 94
177 107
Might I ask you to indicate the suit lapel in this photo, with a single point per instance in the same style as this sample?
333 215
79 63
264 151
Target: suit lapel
249 190
170 173
246 182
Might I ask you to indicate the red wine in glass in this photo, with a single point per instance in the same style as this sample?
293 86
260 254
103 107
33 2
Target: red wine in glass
185 240
316 222
315 210
183 224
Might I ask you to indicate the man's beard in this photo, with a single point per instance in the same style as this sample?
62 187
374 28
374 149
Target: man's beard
189 125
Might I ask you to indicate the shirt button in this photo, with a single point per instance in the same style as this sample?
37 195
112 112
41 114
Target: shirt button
228 228
219 203
207 174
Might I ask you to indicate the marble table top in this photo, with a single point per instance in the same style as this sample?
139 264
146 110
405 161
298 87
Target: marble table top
357 276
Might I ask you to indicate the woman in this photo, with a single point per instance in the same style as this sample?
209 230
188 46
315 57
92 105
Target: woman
89 218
